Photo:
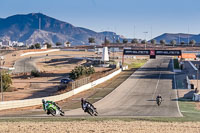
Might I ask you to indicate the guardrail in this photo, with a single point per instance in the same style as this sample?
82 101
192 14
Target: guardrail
188 83
37 101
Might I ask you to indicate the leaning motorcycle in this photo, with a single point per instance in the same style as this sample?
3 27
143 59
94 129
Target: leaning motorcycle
91 110
54 110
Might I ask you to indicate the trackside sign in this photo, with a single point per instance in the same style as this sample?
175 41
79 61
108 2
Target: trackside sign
168 52
152 52
136 52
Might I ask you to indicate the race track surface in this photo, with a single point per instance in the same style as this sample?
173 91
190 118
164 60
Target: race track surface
136 96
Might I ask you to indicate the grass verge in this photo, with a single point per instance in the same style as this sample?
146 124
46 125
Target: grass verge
137 64
176 64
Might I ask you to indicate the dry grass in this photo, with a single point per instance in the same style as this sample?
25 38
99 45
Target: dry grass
109 126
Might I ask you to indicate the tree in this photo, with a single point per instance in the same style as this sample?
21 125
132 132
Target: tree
192 42
173 42
31 47
6 79
48 45
134 41
58 44
107 41
37 46
91 40
153 41
143 41
182 43
162 42
125 41
117 41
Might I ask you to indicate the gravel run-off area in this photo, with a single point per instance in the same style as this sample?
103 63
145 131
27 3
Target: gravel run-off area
109 126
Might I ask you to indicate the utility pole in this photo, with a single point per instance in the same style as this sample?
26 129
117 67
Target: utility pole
2 58
145 33
113 50
197 78
188 35
1 84
39 23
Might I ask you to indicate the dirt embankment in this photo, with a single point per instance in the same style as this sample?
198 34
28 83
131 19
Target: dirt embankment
99 127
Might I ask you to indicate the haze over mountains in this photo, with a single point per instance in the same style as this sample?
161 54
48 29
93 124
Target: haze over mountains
39 28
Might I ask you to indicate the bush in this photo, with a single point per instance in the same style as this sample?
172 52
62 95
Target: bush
35 73
81 71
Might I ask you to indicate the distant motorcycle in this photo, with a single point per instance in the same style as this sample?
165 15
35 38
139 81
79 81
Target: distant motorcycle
158 100
54 110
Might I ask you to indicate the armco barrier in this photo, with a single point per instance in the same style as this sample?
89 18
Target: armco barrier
37 101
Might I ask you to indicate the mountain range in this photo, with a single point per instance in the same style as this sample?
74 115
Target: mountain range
39 28
179 37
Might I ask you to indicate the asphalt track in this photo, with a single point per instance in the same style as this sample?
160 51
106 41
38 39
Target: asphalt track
136 96
28 64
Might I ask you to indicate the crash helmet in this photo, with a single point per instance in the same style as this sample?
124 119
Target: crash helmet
82 100
43 101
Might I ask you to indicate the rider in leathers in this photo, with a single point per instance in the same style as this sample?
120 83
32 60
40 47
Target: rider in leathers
158 97
45 103
85 105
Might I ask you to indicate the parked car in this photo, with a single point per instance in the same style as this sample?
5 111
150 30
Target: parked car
66 80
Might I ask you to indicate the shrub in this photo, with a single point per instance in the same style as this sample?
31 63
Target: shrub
176 64
35 73
81 71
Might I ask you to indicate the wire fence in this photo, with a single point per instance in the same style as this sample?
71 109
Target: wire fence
80 82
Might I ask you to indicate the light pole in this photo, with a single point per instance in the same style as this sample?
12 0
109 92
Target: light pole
145 34
2 58
197 76
113 50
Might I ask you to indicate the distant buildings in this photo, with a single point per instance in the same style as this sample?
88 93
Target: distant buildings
8 43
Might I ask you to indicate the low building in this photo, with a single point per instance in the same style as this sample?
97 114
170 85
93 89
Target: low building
188 56
67 44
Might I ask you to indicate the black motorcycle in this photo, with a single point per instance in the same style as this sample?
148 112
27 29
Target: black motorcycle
91 110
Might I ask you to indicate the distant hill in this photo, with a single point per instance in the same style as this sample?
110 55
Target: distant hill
25 28
179 36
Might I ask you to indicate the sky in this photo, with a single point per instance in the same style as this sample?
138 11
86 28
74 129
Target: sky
144 19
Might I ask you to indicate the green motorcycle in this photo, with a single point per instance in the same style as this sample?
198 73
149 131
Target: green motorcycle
54 110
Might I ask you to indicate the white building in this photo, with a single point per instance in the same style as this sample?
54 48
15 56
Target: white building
67 44
44 46
16 43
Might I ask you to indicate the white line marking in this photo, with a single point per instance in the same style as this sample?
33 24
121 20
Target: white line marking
176 91
193 65
156 86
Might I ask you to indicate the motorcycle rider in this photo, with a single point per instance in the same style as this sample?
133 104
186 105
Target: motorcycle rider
85 104
158 97
45 104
